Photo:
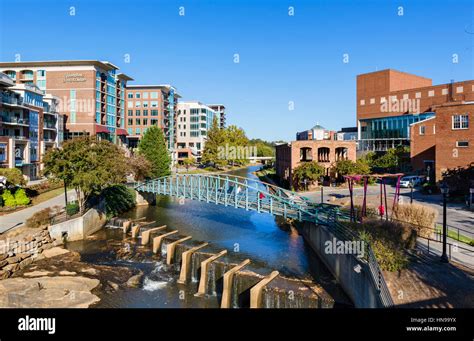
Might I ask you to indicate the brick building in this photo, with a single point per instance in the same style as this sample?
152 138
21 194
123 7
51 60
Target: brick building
91 93
445 141
151 105
325 152
389 101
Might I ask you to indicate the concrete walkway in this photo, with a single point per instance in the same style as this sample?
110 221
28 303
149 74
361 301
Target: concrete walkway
18 218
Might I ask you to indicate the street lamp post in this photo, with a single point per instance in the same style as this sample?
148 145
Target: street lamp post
322 194
411 192
445 192
471 192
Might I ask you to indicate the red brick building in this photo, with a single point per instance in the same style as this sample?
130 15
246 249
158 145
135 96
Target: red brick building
445 141
389 101
325 152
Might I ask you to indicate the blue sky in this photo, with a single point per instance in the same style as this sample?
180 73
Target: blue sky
282 58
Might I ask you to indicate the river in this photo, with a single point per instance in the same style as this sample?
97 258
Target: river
245 234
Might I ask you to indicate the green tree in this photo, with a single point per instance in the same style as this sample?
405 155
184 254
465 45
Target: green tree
213 148
237 145
14 176
139 166
394 159
87 165
309 171
188 162
153 147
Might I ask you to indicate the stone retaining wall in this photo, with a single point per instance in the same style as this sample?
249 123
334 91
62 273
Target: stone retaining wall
18 252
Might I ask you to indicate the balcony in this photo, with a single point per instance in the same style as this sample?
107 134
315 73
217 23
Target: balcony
14 121
49 140
6 99
49 125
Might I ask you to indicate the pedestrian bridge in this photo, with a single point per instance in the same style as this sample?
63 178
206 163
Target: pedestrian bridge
255 195
238 192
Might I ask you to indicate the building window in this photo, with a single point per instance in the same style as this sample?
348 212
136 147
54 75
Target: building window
137 131
154 113
145 95
130 95
444 92
460 121
138 104
130 121
462 143
154 95
130 112
154 104
362 102
459 89
418 95
434 129
137 112
11 74
405 96
431 93
145 112
129 104
137 122
145 121
145 104
137 95
422 130
372 100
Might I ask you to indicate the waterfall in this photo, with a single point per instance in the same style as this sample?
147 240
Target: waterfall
211 280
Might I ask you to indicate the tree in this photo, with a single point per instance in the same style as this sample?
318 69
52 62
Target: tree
349 167
237 145
14 176
139 166
214 143
309 171
87 165
264 148
394 159
188 162
153 147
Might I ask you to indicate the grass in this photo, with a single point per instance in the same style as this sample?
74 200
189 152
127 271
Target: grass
46 196
453 234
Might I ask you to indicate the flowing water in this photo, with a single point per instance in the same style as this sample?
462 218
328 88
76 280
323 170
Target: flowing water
245 234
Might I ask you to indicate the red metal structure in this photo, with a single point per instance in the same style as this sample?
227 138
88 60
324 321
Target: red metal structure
383 209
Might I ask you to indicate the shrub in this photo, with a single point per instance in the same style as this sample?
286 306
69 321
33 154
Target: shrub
43 187
21 197
422 218
14 176
72 208
8 199
388 240
118 199
40 218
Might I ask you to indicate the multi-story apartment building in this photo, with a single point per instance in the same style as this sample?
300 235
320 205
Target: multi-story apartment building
91 93
444 141
193 121
220 110
29 126
151 105
389 101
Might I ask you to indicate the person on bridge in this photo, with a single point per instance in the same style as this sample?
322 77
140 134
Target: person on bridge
261 196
